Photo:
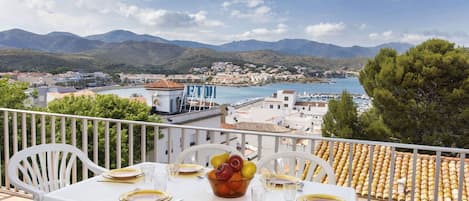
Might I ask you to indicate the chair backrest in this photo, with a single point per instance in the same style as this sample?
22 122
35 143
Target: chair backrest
302 165
200 154
47 167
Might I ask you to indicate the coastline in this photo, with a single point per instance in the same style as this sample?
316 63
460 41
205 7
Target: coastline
114 87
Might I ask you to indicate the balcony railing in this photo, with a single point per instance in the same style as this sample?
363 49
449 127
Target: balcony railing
377 170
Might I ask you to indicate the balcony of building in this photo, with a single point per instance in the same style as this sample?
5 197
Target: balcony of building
376 170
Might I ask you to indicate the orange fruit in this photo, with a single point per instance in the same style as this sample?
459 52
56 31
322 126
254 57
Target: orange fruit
222 188
211 175
235 181
242 187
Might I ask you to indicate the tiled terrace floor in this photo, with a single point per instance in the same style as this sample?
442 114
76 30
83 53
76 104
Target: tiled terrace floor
8 197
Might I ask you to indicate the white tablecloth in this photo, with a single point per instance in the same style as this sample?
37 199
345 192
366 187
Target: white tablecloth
189 189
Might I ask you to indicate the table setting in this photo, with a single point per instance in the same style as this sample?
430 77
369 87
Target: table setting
231 178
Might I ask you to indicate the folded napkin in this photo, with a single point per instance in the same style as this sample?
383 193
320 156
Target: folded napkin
190 174
127 181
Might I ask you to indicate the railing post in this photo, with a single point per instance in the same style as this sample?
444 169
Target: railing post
243 144
63 130
84 145
414 173
350 165
461 176
52 129
143 143
118 145
107 160
24 131
155 141
437 174
131 144
259 147
169 144
15 132
33 129
391 172
6 147
43 129
74 143
95 141
183 139
370 170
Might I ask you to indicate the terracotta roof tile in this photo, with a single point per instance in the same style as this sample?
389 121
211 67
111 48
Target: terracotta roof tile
425 178
164 84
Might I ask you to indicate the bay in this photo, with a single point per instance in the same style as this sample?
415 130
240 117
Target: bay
230 95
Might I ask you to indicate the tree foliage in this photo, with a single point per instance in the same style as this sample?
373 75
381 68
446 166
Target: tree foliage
108 106
12 93
341 119
423 94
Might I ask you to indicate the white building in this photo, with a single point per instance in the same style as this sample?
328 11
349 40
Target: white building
167 96
283 109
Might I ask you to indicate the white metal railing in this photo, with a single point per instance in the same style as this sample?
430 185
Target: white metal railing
147 141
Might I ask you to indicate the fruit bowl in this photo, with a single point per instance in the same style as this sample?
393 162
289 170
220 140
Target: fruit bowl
232 188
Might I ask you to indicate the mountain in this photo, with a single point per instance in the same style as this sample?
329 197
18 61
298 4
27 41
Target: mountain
137 53
192 44
64 42
53 42
309 48
118 36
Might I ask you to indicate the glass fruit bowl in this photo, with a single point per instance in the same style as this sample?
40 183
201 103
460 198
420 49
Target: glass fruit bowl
231 188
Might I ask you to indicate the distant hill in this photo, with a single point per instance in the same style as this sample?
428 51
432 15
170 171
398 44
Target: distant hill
54 42
118 36
310 48
126 51
63 42
137 53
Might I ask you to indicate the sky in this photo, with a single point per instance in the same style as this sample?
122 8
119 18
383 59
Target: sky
341 22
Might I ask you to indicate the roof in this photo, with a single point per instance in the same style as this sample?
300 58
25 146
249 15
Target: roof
165 85
289 91
425 178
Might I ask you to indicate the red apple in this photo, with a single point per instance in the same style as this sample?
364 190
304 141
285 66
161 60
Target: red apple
236 162
224 172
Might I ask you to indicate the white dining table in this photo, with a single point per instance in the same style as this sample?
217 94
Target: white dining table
186 189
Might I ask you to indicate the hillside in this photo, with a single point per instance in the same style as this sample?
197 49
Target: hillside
126 51
59 42
118 36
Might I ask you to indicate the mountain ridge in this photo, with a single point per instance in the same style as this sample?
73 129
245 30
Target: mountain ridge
65 42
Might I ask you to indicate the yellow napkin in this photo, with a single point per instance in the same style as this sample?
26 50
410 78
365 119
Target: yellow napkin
127 181
190 174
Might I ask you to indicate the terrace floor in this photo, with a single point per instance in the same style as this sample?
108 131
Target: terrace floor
11 197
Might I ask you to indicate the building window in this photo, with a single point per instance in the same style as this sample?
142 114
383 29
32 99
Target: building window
192 144
285 105
278 107
271 106
294 108
285 98
208 137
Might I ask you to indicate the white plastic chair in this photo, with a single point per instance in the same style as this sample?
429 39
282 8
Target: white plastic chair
46 168
200 154
299 164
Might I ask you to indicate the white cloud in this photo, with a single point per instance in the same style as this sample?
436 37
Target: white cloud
264 33
165 18
259 14
226 4
254 3
416 38
246 3
362 26
384 36
325 29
